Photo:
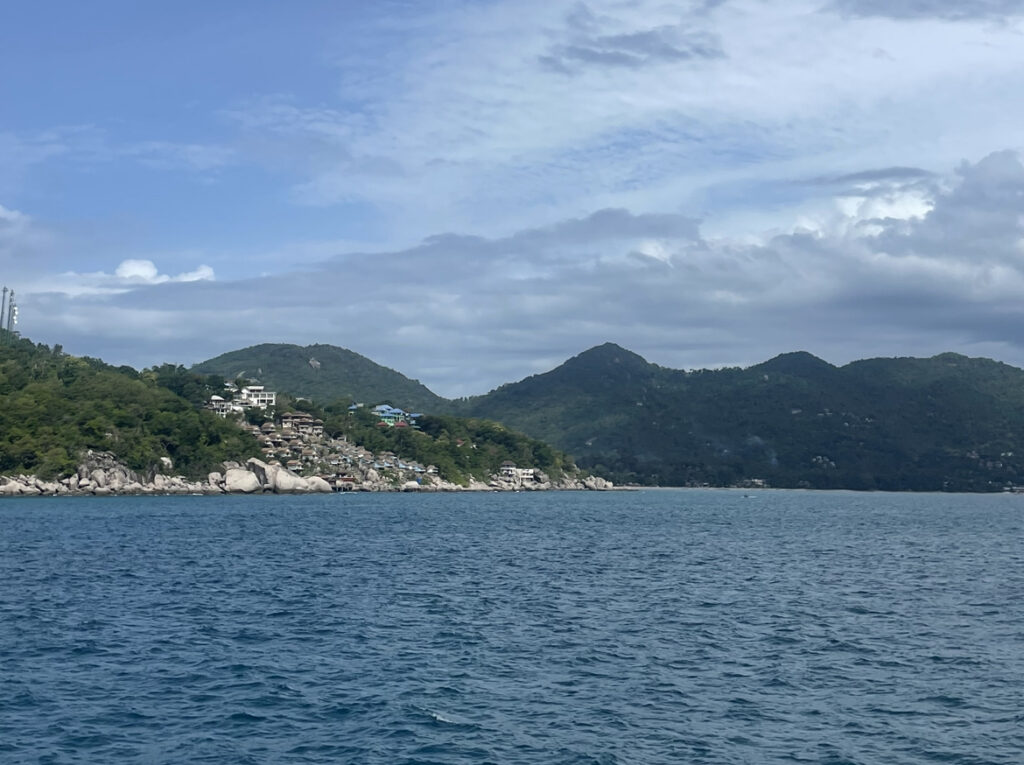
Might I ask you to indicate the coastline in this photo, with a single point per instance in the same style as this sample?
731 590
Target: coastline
102 475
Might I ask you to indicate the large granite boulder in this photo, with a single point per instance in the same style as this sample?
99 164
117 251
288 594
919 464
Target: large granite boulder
288 483
276 478
241 481
319 485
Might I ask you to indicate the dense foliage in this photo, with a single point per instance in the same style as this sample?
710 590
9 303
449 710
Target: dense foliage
945 423
323 373
53 407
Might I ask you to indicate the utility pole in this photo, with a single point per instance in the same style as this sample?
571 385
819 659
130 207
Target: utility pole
12 317
3 310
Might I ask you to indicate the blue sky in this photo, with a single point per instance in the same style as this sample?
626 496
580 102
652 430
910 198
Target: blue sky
471 192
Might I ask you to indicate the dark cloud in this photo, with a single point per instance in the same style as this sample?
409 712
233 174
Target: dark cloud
950 10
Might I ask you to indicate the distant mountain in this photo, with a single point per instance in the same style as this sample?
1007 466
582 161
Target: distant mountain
948 422
323 373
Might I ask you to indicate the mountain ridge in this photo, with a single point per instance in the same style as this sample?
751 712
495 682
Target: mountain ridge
946 422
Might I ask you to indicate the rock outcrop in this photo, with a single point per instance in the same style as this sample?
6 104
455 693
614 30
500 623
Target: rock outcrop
239 481
101 474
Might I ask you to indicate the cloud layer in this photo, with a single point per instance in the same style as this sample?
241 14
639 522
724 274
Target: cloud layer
471 192
465 313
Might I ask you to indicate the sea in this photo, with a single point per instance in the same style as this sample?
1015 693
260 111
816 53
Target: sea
650 626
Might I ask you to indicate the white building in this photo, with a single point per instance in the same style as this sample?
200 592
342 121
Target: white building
257 396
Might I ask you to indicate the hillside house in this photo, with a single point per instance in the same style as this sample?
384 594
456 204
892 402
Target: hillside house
301 422
257 396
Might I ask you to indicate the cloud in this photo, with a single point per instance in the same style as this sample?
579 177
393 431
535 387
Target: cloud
146 272
130 275
661 103
666 44
465 313
25 247
949 10
879 175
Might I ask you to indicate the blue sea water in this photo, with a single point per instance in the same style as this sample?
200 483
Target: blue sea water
626 627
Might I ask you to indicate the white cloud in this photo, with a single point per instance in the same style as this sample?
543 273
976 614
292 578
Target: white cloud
129 275
146 272
464 313
470 111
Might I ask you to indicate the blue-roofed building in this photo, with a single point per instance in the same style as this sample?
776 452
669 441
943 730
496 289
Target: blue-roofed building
390 415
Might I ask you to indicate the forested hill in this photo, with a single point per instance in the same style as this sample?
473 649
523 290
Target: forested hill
323 373
948 422
53 407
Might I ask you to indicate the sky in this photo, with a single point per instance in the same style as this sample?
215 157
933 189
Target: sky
472 191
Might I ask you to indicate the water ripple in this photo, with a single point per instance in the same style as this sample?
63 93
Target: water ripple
641 627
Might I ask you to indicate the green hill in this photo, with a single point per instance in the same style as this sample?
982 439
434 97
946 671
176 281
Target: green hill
949 422
322 373
53 407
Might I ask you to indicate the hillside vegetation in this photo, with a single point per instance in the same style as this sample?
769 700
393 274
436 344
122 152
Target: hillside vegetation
944 423
53 407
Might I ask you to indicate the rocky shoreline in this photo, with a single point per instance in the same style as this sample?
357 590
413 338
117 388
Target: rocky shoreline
100 474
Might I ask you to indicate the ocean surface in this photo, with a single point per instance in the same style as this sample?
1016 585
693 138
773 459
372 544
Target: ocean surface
628 627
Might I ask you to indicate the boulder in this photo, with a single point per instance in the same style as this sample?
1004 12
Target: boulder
265 474
288 483
276 478
241 481
319 485
98 477
411 486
